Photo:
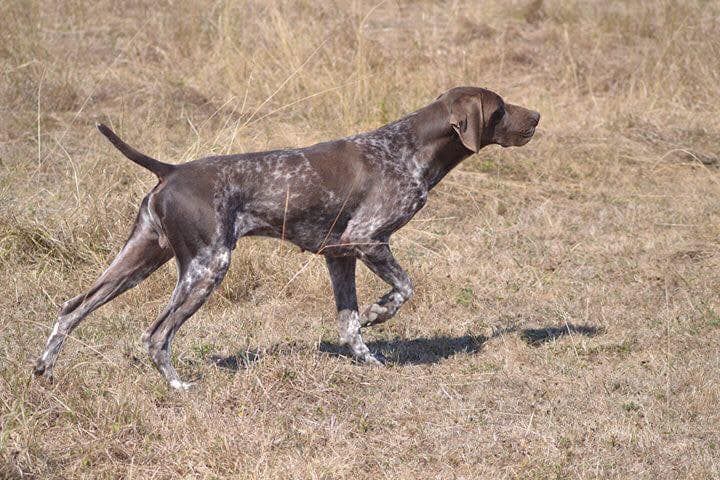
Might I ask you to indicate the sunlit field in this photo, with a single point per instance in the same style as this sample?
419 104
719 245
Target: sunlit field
566 318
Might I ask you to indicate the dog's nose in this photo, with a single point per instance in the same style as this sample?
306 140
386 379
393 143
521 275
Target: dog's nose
534 117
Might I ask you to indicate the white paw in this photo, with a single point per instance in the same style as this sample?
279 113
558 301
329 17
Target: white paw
181 386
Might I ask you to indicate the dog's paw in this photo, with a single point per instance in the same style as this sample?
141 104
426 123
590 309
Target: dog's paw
374 314
181 386
42 370
376 359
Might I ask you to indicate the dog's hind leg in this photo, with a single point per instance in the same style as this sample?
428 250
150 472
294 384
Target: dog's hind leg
197 278
342 276
202 236
141 255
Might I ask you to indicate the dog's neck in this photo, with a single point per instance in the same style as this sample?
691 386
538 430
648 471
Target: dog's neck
440 147
427 133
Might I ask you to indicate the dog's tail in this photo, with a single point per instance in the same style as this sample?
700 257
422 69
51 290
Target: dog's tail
159 168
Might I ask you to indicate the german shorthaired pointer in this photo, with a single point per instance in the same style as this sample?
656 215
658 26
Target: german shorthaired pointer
342 199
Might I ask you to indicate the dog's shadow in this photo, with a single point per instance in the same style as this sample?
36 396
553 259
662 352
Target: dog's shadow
415 351
538 336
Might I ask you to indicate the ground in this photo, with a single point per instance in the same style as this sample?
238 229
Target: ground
566 321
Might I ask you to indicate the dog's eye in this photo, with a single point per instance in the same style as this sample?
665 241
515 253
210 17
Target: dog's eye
497 115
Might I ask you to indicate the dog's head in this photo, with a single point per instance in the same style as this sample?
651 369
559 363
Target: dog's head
481 117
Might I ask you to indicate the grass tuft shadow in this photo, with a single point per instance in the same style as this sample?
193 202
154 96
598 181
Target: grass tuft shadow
241 360
244 359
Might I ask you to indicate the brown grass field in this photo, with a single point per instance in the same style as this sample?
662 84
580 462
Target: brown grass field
566 321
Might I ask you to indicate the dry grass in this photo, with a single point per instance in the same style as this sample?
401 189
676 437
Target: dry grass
567 318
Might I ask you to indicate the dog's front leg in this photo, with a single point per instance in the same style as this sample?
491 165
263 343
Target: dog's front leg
380 260
342 276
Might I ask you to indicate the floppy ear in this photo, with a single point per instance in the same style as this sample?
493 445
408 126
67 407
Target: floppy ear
467 119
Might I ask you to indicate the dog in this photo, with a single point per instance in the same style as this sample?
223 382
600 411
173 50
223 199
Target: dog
342 199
